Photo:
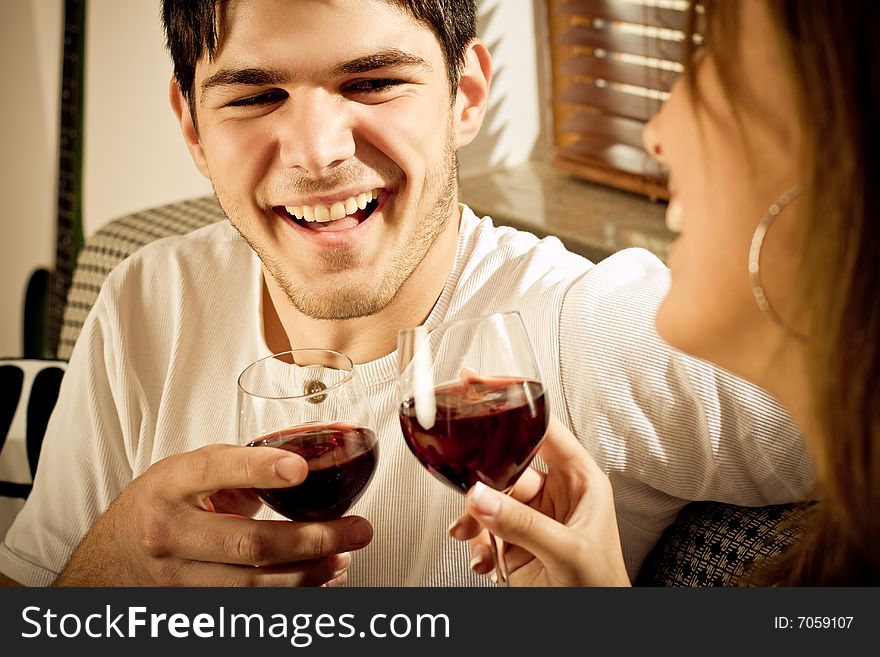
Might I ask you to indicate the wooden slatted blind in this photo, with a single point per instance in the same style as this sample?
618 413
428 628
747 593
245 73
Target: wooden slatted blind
613 63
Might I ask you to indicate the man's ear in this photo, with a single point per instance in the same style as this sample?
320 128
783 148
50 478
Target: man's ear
188 127
472 98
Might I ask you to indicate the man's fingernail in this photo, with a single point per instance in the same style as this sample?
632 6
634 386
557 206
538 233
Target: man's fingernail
337 581
358 533
289 468
485 500
339 562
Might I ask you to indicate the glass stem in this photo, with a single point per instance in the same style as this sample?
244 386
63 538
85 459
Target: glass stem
500 563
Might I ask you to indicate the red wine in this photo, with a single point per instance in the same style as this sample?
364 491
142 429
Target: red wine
341 458
484 431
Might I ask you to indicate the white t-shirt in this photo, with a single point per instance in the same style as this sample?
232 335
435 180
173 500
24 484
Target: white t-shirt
154 373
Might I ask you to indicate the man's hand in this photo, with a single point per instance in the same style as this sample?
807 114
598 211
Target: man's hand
186 522
560 528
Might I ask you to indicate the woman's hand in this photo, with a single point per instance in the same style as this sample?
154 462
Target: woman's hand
559 528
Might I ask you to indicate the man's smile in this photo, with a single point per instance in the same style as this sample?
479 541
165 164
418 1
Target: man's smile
339 215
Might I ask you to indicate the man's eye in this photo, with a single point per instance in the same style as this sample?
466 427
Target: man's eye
373 85
260 99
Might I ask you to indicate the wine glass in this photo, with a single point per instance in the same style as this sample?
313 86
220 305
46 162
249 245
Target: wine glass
311 402
472 404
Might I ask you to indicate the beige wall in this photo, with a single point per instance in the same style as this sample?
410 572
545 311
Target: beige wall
30 31
134 156
516 124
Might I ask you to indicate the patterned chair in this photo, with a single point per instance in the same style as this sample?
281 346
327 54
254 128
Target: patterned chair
709 544
117 240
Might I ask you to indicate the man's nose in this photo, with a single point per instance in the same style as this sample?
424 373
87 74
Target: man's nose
316 133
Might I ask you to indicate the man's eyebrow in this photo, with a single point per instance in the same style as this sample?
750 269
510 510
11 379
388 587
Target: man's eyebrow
259 77
245 76
382 59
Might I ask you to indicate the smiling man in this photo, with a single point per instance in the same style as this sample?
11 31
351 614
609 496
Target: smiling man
329 129
333 153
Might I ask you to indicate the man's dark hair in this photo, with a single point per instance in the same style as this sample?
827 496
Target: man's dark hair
191 31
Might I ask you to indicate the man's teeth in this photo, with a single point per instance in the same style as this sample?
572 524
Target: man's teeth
338 210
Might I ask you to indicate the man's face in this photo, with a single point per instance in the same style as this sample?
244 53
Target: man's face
327 131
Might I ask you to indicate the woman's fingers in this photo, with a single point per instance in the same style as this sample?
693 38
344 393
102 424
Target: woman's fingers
558 527
528 485
517 523
525 489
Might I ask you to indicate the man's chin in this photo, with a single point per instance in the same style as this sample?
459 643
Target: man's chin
339 305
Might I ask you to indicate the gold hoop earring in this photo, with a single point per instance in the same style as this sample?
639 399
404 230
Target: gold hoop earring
755 258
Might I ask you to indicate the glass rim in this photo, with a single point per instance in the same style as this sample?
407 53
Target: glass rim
458 322
329 389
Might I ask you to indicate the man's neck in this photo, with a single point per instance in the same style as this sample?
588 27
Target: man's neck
364 338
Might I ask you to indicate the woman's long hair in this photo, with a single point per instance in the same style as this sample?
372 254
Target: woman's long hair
832 53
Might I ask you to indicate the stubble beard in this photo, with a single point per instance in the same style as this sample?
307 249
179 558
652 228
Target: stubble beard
356 296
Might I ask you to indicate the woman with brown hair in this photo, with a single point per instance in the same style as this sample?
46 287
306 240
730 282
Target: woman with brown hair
770 141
